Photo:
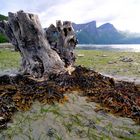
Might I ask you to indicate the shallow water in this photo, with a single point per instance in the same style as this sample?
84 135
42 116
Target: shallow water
113 47
10 72
107 47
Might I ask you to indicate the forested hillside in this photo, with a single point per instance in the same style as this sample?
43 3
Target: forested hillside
2 37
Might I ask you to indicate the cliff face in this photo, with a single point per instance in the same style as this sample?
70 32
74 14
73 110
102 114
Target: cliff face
88 33
108 34
91 26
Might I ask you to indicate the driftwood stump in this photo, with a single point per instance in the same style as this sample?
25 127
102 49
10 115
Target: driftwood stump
49 52
63 40
42 53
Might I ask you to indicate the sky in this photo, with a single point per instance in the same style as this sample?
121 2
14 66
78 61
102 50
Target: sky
123 14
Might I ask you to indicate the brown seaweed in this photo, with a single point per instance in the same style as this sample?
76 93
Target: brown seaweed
20 91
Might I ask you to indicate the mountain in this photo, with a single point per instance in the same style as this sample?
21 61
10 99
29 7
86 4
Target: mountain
86 32
89 33
3 39
108 34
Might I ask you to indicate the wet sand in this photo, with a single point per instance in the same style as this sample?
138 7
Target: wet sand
73 120
134 79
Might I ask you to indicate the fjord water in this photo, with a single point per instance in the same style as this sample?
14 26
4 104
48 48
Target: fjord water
107 47
113 47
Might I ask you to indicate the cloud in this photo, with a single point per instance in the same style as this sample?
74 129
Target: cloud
124 14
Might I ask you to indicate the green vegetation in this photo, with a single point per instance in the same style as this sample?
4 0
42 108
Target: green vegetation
2 17
9 59
110 62
102 61
2 37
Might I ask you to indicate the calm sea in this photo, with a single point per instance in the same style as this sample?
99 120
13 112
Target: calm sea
120 47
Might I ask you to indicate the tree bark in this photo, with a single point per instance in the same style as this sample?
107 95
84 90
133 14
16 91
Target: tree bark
39 55
63 40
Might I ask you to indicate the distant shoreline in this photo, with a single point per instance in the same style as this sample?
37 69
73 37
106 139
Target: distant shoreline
111 47
102 47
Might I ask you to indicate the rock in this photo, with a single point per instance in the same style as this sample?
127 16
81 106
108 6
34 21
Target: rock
51 132
2 123
104 55
1 118
126 59
112 62
80 55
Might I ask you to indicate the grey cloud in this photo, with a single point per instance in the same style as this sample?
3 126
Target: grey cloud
27 5
107 18
78 11
44 5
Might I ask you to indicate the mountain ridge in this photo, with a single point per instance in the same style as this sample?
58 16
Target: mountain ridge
89 33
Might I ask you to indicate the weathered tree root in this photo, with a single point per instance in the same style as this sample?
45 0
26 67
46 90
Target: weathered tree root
19 92
42 51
